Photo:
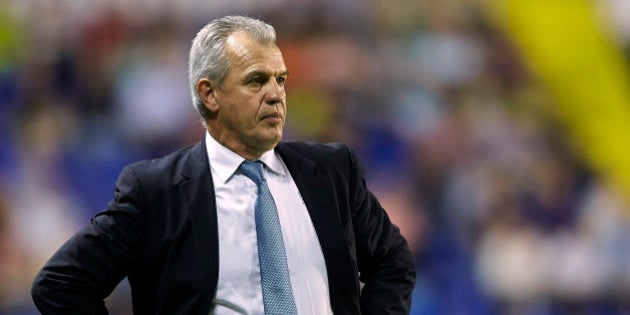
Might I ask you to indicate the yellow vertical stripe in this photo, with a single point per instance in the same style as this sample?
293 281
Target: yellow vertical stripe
566 45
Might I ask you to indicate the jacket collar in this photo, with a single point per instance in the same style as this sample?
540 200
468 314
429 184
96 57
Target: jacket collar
319 196
315 188
197 190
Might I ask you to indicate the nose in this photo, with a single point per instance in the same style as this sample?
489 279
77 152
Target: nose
275 93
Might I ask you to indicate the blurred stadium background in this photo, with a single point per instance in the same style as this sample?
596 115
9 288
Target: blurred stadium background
496 133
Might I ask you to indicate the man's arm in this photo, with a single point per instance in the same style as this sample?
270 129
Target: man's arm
91 263
386 264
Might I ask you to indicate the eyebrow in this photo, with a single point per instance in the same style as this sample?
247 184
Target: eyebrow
264 74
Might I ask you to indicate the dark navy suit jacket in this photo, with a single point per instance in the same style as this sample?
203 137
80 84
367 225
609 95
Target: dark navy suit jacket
160 231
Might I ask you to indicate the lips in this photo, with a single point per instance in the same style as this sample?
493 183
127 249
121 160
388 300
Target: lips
272 116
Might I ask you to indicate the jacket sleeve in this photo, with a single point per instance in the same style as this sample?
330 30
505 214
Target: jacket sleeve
92 262
385 261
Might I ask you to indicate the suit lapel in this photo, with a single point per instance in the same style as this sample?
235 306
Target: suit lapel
315 188
198 190
319 198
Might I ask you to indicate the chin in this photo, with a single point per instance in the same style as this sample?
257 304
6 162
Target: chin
266 144
274 137
267 139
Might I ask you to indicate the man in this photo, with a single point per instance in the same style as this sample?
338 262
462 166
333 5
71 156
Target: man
239 223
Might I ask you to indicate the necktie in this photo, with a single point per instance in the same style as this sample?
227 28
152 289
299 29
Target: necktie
274 272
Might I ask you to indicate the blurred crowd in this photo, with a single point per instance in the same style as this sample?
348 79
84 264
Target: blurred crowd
502 213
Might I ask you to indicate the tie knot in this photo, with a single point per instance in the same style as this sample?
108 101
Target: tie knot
253 170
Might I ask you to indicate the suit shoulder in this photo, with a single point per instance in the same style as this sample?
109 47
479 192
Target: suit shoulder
312 147
323 153
159 169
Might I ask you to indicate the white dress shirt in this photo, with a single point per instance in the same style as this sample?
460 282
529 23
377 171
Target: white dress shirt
239 290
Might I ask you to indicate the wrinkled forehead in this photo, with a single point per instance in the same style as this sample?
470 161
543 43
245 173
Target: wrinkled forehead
244 52
241 43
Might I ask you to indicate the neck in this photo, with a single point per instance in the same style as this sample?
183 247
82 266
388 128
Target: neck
237 147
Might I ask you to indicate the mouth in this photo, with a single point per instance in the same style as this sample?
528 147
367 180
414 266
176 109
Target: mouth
274 117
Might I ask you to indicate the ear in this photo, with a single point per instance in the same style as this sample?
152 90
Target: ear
207 93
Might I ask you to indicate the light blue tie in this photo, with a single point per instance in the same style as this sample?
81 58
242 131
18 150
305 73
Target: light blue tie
274 272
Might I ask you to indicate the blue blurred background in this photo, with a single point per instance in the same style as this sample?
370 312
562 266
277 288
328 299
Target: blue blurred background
498 198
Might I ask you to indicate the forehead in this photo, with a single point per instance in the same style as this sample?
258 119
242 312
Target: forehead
245 53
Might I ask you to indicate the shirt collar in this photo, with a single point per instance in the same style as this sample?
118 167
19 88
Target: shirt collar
225 162
273 162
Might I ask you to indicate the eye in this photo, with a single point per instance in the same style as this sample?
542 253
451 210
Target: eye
281 80
256 82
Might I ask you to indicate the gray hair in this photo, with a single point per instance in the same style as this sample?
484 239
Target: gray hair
208 54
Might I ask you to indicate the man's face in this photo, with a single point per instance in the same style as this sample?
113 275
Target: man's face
251 102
